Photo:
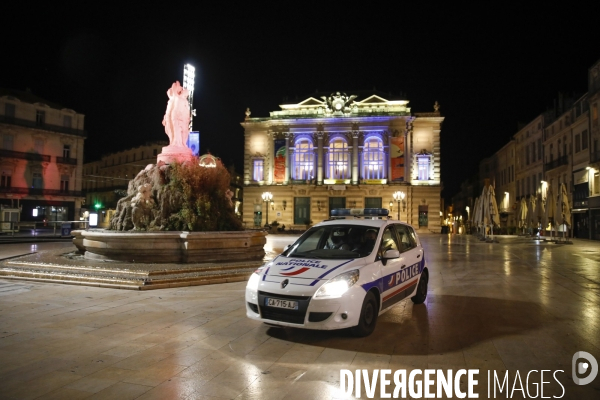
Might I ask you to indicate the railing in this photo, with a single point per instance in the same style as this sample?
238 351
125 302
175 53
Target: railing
564 160
49 127
63 160
40 192
15 226
24 156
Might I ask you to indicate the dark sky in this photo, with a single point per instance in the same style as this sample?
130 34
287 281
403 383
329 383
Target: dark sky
488 68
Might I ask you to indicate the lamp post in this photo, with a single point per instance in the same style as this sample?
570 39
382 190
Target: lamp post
189 77
399 197
267 197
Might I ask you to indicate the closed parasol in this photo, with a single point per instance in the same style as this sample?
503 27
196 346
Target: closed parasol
550 214
531 214
522 214
564 214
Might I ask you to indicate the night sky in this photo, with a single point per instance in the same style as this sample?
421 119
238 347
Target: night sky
488 68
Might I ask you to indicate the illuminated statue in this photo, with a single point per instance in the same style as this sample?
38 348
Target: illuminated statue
177 117
177 124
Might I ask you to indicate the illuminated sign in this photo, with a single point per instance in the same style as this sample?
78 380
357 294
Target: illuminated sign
374 181
93 219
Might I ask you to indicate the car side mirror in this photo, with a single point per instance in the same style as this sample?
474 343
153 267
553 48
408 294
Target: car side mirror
391 254
286 247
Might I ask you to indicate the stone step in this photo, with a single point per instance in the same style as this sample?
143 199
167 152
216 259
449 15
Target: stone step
70 268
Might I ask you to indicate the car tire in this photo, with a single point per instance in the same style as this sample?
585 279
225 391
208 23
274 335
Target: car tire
368 317
421 295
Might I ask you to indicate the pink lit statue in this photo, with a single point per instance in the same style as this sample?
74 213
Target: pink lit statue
177 123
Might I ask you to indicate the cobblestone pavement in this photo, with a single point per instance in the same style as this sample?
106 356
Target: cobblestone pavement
516 306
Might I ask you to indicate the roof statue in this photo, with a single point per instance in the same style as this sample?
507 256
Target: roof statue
177 122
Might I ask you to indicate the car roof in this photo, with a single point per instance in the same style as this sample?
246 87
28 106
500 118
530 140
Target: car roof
375 223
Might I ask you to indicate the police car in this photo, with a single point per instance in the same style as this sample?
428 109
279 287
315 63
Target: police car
341 273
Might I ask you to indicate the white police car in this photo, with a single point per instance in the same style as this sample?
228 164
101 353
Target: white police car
341 273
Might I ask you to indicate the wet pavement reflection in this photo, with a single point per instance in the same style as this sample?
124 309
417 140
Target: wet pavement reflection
517 305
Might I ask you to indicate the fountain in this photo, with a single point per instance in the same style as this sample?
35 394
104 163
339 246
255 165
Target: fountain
175 227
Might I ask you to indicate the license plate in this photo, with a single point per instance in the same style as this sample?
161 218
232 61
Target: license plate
279 303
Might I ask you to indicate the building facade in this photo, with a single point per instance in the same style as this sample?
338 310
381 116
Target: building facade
41 158
341 151
559 146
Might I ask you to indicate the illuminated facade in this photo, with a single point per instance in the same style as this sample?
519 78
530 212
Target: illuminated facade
41 157
336 151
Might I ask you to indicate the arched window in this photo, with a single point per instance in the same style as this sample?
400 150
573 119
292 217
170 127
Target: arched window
304 160
338 159
373 164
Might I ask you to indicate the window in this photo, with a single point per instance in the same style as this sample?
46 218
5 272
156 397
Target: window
388 241
7 142
142 156
584 140
37 180
258 170
154 152
39 146
539 146
596 183
6 179
423 165
9 110
577 143
406 238
67 121
304 160
133 156
64 183
338 157
527 155
373 159
40 117
595 115
373 202
336 202
66 151
533 152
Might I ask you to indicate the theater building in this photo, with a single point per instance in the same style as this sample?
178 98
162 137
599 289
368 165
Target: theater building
342 151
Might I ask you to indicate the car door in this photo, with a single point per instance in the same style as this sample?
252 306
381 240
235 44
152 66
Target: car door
392 288
412 255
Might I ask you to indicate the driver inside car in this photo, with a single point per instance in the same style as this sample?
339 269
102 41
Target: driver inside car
338 240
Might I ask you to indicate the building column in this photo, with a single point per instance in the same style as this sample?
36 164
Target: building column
355 157
320 135
286 180
271 158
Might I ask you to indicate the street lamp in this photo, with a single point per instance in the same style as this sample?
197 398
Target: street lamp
267 197
399 197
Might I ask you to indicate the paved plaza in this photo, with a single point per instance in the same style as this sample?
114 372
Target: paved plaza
517 305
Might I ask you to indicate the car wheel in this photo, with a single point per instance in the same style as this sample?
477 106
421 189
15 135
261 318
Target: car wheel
368 317
421 294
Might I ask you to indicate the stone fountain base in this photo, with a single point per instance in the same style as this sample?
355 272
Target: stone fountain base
161 260
171 247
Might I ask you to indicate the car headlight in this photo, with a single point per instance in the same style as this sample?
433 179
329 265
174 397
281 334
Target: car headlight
339 285
254 279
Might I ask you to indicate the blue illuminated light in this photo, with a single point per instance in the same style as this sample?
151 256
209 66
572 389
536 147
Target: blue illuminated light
360 212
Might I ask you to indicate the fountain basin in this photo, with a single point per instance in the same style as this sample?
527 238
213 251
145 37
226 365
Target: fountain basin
170 247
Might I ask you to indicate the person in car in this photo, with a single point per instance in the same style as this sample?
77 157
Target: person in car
338 241
367 243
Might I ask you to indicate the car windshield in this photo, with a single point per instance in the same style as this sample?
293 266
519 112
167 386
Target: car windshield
334 241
